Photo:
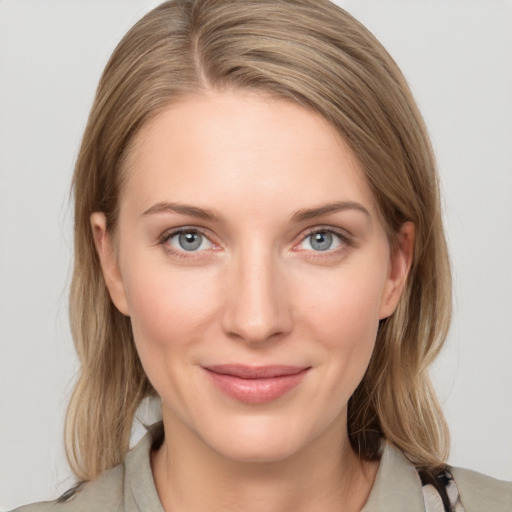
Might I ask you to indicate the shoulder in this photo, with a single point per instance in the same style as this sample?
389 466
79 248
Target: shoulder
104 493
480 492
128 487
399 487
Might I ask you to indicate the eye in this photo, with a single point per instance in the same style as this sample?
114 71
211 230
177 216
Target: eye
189 240
322 240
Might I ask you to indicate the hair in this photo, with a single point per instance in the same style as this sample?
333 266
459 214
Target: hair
313 53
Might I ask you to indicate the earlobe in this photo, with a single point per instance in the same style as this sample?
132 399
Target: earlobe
108 261
400 264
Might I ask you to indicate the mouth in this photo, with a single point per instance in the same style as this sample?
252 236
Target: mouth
255 384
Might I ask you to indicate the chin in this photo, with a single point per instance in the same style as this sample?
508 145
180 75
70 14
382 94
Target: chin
252 450
258 440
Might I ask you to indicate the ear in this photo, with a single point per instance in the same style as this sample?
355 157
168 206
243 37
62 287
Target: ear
400 261
108 261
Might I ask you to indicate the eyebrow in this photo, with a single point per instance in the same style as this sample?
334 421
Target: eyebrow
313 213
212 215
184 209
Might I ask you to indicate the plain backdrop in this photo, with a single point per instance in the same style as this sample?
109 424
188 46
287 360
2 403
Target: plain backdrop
457 56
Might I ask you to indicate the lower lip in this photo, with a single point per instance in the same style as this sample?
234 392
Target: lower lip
256 391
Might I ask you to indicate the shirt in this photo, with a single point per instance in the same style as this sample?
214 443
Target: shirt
129 487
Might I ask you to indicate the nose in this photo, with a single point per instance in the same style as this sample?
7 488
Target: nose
257 306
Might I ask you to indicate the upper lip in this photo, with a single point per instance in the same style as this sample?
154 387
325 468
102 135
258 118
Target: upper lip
256 372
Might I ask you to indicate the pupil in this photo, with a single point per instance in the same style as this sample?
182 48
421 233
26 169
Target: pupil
321 241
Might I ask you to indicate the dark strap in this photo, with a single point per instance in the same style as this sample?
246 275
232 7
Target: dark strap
446 488
439 482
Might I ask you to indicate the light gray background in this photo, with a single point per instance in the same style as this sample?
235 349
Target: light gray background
457 56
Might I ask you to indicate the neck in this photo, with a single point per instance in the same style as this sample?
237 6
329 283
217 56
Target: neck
325 476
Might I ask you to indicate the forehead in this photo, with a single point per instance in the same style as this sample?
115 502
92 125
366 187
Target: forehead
236 145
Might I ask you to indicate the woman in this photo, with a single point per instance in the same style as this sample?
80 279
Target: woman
258 243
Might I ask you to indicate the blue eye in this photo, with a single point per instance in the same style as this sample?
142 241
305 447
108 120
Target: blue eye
189 240
322 240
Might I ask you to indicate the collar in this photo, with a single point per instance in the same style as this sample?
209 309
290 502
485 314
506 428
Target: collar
140 493
397 486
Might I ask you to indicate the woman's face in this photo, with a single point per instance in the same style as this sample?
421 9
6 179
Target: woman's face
252 261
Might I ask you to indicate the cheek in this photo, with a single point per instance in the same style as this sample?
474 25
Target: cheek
346 306
344 318
169 310
170 313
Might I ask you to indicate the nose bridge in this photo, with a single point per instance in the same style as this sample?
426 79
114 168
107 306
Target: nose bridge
257 305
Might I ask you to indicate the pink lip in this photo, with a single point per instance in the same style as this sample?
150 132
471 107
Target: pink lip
256 384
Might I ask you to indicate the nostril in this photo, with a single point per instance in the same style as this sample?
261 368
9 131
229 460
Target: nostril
257 324
256 335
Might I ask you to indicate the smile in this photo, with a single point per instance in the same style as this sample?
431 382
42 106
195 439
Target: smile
256 384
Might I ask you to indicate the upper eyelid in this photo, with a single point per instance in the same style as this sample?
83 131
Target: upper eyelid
169 233
165 237
346 240
342 233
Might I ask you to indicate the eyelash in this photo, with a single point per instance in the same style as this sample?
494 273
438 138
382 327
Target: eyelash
168 235
345 240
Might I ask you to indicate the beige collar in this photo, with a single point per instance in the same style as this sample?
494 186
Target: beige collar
397 486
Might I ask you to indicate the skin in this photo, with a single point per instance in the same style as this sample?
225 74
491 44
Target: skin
256 292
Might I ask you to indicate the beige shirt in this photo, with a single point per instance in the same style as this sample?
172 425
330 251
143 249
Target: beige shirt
130 487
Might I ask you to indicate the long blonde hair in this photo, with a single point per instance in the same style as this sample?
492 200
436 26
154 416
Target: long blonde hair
313 53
